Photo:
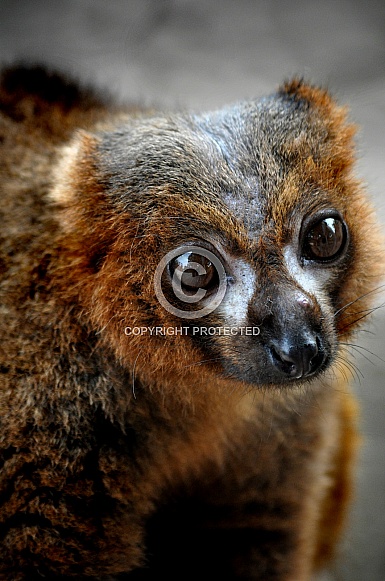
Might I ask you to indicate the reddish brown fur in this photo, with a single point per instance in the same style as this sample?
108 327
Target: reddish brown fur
118 451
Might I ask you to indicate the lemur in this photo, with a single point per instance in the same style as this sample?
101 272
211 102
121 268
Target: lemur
178 293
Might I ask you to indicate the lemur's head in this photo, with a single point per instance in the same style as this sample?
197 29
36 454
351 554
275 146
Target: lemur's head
236 243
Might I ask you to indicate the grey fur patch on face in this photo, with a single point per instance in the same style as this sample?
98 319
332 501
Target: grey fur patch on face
241 288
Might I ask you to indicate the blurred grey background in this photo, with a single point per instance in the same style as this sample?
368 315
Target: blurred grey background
204 53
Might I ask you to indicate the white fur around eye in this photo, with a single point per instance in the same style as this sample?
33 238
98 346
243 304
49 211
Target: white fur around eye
312 281
239 292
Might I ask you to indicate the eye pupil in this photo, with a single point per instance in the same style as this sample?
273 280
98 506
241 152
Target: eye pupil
325 240
194 271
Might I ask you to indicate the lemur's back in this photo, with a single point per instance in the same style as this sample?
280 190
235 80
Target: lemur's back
175 290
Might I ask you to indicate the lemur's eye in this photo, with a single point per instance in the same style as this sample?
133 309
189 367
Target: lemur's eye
194 271
325 240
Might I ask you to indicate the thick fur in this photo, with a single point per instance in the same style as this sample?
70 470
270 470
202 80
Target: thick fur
143 456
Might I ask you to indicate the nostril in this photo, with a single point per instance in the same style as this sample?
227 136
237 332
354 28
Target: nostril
297 361
307 354
288 361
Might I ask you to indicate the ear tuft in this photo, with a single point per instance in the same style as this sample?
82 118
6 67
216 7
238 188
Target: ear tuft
300 90
321 102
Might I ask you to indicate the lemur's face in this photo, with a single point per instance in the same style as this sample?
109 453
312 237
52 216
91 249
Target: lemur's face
239 245
266 314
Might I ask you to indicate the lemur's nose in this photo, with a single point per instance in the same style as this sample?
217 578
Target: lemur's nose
297 360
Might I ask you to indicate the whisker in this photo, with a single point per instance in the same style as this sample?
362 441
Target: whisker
368 331
366 311
344 307
360 348
201 362
346 364
366 314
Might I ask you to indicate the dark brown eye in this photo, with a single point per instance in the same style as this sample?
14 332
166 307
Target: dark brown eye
193 271
325 240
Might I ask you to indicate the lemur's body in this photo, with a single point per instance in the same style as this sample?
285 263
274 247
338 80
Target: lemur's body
192 456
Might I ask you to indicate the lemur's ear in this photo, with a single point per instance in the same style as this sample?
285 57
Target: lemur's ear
77 186
75 170
338 142
298 89
86 216
322 100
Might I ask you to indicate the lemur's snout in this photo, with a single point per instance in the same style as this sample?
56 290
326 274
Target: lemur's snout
297 359
293 336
